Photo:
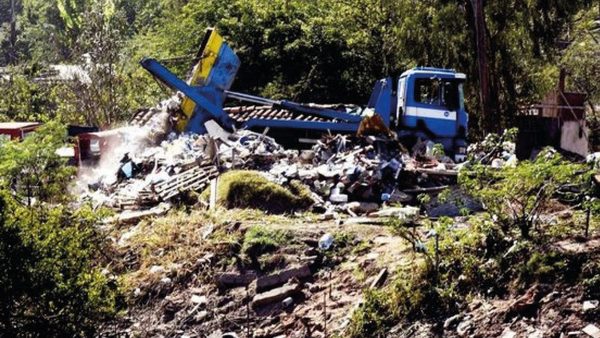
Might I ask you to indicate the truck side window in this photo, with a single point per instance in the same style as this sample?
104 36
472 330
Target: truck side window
451 97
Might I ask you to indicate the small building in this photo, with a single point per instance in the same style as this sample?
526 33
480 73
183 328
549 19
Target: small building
558 121
17 130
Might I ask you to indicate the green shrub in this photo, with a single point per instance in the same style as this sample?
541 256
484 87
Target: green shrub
250 189
543 267
374 315
517 196
591 278
51 282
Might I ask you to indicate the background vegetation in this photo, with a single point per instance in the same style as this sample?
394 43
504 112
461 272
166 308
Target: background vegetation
320 51
53 257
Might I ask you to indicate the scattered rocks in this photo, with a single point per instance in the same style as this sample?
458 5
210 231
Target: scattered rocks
199 300
452 321
463 327
526 302
157 269
362 207
287 302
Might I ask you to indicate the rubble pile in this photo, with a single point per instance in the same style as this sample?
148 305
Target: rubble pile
180 163
349 174
356 175
495 150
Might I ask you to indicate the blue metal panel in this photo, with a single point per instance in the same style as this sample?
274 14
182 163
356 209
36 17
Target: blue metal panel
208 100
224 70
201 114
439 127
381 99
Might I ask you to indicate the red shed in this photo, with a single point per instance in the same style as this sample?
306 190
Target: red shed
17 130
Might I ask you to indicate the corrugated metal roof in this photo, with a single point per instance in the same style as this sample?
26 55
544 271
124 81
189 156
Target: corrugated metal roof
18 125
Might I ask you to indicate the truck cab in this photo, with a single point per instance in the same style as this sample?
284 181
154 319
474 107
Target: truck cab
430 104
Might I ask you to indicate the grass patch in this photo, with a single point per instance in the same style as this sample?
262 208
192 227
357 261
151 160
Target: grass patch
180 238
250 189
259 240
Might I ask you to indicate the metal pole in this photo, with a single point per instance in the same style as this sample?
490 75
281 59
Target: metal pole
325 312
587 222
437 255
247 313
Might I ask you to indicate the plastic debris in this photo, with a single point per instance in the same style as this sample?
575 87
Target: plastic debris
325 242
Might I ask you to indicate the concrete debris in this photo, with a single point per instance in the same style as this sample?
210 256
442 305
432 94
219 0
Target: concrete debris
325 242
287 302
403 213
508 333
592 331
200 300
146 165
590 305
379 279
232 279
452 321
275 295
267 282
463 327
157 269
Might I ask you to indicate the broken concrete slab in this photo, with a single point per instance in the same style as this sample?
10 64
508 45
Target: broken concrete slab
362 207
233 279
131 217
508 333
592 331
270 281
590 305
404 213
275 295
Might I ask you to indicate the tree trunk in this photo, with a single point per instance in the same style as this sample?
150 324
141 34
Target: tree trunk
488 120
12 59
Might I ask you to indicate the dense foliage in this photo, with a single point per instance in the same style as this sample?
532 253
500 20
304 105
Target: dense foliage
518 195
52 282
321 51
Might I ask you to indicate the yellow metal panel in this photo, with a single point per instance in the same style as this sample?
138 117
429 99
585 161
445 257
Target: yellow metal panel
200 73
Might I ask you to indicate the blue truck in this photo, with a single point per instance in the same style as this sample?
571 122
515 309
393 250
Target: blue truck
424 102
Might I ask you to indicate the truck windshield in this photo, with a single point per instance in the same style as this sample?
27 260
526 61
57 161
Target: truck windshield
439 92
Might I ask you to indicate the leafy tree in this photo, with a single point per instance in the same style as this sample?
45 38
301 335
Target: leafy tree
21 99
104 96
50 252
582 60
32 170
